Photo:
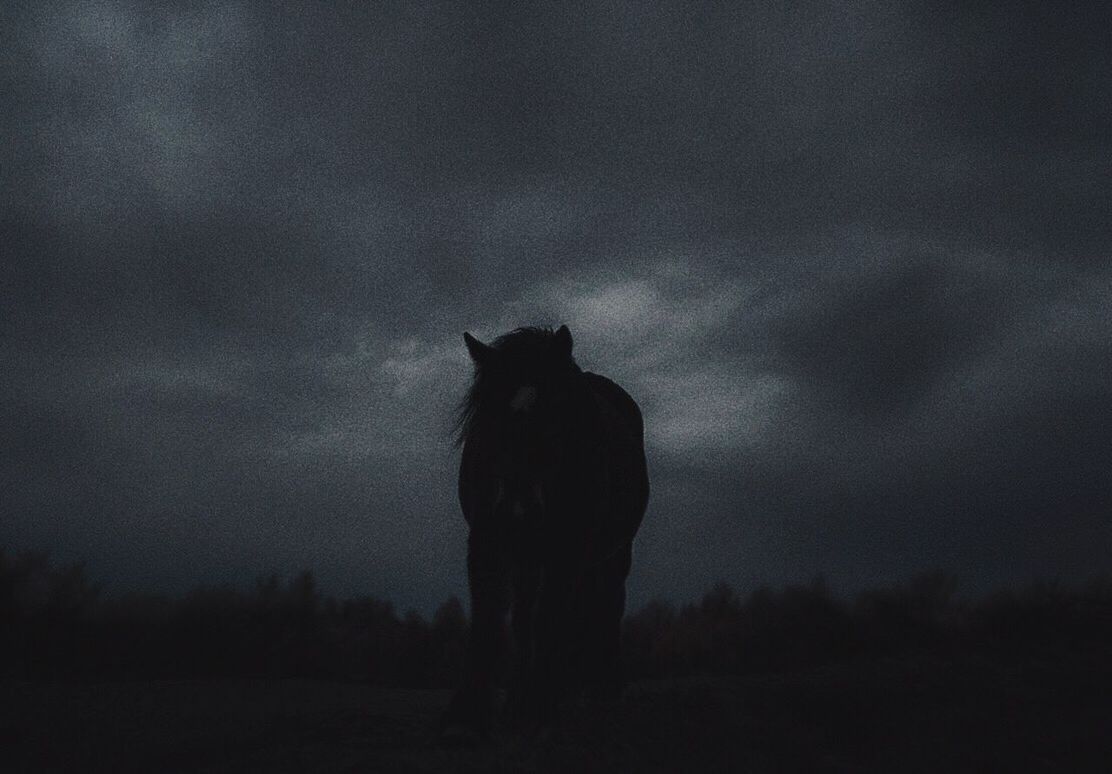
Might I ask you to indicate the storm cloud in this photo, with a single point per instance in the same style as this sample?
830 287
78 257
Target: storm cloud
852 261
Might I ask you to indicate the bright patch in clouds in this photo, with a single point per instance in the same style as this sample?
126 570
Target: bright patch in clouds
714 409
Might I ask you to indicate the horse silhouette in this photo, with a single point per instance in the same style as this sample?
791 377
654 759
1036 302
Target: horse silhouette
553 485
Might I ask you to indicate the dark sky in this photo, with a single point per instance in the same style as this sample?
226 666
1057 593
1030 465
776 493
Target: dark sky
853 260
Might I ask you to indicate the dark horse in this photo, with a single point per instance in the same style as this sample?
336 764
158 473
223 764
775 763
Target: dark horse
553 485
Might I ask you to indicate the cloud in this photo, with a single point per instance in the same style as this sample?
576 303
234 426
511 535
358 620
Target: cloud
850 260
147 107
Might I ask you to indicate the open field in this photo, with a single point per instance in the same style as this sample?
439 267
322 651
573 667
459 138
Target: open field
914 713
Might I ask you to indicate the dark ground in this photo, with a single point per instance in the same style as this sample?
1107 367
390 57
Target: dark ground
913 713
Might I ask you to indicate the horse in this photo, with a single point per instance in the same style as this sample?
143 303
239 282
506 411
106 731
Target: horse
553 485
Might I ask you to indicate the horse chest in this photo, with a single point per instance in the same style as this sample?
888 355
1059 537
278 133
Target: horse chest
519 498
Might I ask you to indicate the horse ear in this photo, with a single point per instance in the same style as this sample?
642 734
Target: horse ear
480 352
563 340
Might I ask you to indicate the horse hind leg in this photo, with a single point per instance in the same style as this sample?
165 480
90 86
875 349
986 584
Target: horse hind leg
554 644
603 672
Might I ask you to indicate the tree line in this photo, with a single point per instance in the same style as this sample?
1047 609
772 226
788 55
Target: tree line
55 624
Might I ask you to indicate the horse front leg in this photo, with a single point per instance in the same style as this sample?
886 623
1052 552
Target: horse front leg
523 622
553 636
471 712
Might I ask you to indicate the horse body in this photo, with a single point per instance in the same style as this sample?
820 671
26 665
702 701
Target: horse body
553 485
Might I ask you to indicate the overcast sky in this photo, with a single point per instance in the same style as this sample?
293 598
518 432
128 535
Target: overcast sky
852 259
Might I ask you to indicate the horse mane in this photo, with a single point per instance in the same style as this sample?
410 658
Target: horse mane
518 341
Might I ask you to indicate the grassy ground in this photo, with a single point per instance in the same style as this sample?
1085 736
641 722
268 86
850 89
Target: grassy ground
917 713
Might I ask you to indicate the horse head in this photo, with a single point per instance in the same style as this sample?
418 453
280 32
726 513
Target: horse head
520 378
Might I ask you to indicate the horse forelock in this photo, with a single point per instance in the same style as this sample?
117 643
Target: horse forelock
520 343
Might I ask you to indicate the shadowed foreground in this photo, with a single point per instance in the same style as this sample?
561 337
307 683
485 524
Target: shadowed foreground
914 713
281 678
